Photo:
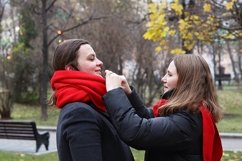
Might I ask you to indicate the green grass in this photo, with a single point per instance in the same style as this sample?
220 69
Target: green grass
232 156
9 156
230 99
227 156
27 112
138 155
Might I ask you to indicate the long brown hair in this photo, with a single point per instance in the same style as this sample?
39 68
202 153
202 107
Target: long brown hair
194 86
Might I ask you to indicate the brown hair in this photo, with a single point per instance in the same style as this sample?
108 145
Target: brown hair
194 85
66 54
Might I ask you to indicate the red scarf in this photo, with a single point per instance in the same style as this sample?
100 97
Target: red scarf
212 146
75 86
160 103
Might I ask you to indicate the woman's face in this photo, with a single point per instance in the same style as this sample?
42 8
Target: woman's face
170 79
87 60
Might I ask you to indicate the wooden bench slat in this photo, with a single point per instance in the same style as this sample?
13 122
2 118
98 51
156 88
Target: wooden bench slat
14 134
17 132
15 124
18 137
19 128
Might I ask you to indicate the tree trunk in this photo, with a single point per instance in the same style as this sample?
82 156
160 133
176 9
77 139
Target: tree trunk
218 51
5 104
44 70
183 16
232 62
240 59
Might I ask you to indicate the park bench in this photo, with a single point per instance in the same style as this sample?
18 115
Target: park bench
23 130
223 77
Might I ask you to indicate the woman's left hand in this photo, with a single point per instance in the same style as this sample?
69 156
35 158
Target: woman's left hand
115 81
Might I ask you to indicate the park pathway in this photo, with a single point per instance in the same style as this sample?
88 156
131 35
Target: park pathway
230 141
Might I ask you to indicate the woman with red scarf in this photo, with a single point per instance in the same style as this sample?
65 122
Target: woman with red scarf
84 130
181 126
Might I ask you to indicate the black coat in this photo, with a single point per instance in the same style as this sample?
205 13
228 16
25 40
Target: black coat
177 137
85 134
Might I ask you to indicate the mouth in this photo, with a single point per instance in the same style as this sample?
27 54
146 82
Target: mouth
99 72
165 88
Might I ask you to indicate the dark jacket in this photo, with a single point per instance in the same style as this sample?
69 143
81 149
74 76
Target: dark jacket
85 134
177 137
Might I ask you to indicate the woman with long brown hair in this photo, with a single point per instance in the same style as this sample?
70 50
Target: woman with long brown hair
181 125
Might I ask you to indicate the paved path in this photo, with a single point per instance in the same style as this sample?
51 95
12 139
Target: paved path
231 142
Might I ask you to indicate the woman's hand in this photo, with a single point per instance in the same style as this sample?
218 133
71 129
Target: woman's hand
115 81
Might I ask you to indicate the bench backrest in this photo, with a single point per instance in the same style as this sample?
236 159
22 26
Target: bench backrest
223 77
18 130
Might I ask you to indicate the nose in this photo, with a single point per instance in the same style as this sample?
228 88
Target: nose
99 63
163 79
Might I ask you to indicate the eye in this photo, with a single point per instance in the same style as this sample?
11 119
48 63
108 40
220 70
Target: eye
92 57
169 74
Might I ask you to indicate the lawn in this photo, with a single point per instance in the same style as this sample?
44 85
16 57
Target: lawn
30 112
138 155
8 156
229 98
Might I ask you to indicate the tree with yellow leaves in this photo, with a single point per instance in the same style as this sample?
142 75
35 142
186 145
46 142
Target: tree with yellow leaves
188 22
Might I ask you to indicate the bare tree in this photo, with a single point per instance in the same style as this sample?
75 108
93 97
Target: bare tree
239 50
52 27
233 63
6 100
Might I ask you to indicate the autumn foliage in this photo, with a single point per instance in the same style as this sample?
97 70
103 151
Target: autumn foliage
178 27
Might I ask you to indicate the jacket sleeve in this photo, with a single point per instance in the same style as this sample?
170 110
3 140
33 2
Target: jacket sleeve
139 106
171 132
81 131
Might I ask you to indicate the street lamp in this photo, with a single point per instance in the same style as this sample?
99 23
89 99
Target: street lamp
59 32
8 56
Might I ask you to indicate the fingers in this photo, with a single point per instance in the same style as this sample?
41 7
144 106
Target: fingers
114 80
108 72
112 74
125 85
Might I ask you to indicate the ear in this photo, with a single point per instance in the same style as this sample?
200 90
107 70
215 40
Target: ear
68 67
